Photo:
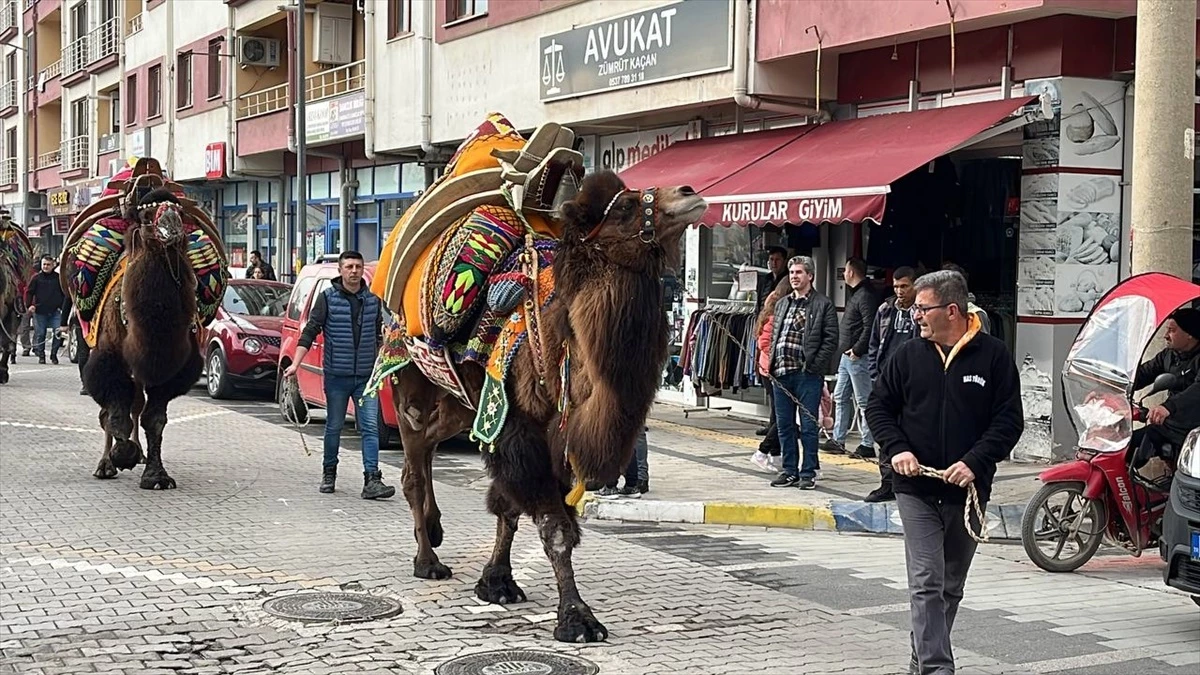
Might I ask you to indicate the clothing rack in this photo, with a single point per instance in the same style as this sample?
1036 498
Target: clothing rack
719 351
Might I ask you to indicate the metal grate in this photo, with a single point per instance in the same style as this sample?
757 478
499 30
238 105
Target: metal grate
8 16
1189 498
102 41
531 661
332 607
8 171
335 81
269 100
49 159
135 25
8 95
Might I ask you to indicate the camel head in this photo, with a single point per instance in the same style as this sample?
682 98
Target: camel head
626 224
157 220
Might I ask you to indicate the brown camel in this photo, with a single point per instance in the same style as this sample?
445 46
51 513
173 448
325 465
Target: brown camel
16 255
607 312
147 352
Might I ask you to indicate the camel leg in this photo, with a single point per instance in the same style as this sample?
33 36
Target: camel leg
8 348
522 470
154 420
135 410
496 584
107 379
418 490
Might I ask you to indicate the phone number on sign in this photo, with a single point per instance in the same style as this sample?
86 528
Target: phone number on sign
629 78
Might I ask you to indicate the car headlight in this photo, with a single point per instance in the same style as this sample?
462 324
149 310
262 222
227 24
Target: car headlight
252 345
1189 456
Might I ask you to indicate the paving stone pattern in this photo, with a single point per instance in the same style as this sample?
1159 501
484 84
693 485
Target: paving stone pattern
100 576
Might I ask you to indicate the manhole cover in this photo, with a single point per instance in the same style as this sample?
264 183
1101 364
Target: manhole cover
517 662
342 607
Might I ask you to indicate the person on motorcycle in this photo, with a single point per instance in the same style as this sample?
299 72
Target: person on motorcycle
1169 423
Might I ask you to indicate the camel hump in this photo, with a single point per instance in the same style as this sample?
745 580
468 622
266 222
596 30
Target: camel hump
494 168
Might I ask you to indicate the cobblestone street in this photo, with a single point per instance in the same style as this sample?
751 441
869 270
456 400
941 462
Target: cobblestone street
100 576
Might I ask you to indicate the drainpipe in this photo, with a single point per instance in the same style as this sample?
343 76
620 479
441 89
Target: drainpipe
425 64
169 113
122 90
345 199
369 82
742 31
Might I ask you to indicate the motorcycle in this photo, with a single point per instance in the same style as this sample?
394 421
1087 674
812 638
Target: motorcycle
1111 490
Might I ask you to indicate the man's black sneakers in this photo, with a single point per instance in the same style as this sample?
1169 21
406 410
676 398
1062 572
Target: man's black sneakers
328 481
880 494
785 480
807 484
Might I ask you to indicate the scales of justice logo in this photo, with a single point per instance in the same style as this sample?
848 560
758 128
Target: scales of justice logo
553 71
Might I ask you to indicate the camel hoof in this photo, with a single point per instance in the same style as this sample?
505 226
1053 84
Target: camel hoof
576 624
4 377
434 530
497 587
126 454
157 481
430 570
105 470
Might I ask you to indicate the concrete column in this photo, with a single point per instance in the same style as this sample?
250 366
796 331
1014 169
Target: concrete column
1163 170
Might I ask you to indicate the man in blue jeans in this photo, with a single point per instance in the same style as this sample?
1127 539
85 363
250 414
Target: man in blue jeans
803 341
45 298
350 316
853 376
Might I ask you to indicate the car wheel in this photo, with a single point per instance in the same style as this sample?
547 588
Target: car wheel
72 347
219 385
292 407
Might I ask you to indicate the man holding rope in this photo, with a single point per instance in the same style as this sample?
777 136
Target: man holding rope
947 406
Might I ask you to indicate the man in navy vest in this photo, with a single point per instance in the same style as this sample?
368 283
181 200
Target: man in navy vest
349 315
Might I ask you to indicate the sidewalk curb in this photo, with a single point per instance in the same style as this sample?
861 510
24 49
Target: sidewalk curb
1004 520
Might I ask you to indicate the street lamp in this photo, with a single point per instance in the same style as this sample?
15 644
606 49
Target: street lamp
300 221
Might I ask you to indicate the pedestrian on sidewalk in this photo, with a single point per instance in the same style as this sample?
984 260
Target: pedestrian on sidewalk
637 473
767 457
777 257
950 402
45 298
853 386
892 327
350 316
803 341
979 312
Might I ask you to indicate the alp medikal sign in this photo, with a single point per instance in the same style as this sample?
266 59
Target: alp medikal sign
682 39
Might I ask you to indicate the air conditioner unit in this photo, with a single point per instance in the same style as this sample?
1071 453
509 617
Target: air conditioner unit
36 201
257 51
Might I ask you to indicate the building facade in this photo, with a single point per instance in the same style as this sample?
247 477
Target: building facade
713 93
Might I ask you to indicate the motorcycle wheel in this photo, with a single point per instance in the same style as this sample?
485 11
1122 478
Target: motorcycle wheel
1043 524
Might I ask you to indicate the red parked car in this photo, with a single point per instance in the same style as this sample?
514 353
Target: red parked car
242 343
314 279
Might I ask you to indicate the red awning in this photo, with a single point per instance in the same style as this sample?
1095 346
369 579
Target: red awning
835 172
703 162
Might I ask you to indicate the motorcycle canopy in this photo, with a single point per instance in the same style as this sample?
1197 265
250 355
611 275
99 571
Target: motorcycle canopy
1098 374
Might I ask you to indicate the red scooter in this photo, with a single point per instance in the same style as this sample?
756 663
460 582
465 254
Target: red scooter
1095 496
1110 490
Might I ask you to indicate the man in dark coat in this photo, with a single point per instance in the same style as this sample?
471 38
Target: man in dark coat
893 326
45 297
853 380
1180 413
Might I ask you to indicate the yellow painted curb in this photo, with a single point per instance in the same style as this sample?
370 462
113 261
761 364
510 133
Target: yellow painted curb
843 461
798 517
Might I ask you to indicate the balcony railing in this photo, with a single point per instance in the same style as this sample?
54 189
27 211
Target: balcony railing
8 16
75 56
264 101
49 159
102 41
75 153
336 81
8 95
135 25
8 171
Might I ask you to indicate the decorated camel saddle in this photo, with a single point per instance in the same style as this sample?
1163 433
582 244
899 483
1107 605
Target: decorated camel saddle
92 263
16 255
469 266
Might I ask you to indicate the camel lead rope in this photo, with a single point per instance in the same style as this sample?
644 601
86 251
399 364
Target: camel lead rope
291 391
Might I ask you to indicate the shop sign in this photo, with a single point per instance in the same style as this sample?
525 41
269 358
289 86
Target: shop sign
139 143
62 226
61 202
109 143
795 210
214 161
334 118
621 151
682 39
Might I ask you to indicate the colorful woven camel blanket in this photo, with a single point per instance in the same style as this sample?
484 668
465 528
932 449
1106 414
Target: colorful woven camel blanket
16 258
100 255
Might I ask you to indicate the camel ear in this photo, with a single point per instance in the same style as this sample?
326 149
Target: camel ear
572 213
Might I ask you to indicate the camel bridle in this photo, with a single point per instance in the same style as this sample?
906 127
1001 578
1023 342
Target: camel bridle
647 210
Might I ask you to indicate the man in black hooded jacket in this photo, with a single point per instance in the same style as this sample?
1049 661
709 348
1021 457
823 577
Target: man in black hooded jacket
1170 422
950 402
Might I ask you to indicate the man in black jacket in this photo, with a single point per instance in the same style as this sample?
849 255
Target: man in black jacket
853 379
893 326
951 402
1180 413
45 298
803 340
